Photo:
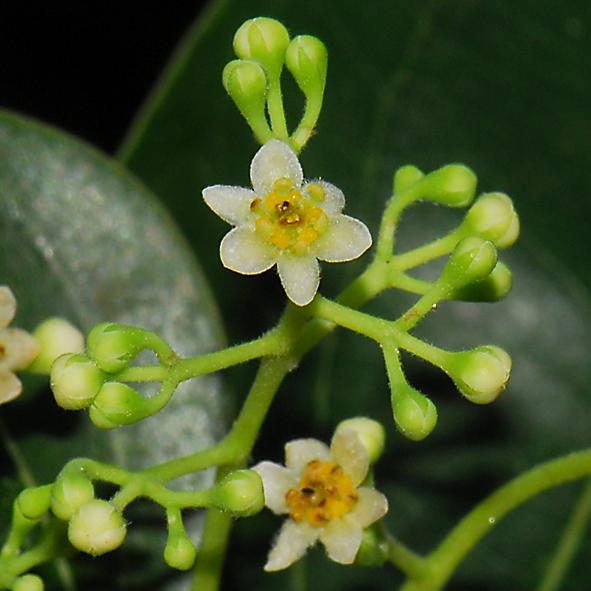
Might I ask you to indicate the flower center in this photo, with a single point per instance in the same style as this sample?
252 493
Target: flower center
289 218
324 493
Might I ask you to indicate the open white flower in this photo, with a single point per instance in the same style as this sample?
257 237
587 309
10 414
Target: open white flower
287 222
319 491
17 348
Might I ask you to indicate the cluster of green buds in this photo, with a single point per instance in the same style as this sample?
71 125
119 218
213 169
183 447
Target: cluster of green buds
253 81
96 378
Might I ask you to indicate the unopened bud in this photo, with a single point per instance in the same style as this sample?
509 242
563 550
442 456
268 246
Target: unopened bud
307 60
264 40
494 218
373 551
241 493
70 491
117 404
112 346
179 552
480 374
28 583
96 528
472 260
55 336
405 177
370 433
75 380
490 289
414 414
453 185
33 503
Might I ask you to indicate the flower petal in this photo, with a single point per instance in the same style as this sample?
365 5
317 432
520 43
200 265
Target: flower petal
7 306
346 239
275 160
299 452
277 481
334 198
10 386
291 544
243 251
300 277
232 204
342 538
348 452
371 506
20 348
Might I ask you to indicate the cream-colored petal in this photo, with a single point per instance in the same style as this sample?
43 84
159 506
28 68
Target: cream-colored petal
20 348
300 277
371 506
243 251
275 160
334 198
291 544
277 481
348 451
299 452
7 306
232 204
342 538
346 239
10 386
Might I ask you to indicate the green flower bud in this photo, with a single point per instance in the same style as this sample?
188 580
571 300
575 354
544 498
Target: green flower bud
28 583
370 433
453 185
490 289
240 492
264 40
113 346
33 503
414 414
373 551
96 528
55 336
307 60
70 491
180 552
117 404
472 260
480 374
405 177
75 380
492 217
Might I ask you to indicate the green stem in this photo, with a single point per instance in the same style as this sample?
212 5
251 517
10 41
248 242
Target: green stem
275 107
409 562
428 252
300 137
386 236
440 564
569 542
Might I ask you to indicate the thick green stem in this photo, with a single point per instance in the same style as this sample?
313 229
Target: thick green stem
276 110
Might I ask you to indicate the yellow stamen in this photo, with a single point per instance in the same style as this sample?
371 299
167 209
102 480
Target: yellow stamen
316 191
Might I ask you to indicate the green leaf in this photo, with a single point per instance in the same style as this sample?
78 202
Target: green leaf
500 87
81 238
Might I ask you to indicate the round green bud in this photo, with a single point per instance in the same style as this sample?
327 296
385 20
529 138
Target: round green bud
414 414
480 374
96 528
473 259
405 177
33 503
55 336
117 404
240 492
245 82
494 218
264 40
307 60
453 185
113 346
75 380
179 552
490 289
28 583
373 551
70 491
370 433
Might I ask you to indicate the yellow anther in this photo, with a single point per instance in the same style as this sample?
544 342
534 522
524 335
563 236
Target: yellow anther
283 185
281 239
316 191
254 205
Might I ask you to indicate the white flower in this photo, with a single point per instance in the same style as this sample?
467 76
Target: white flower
319 491
17 348
287 222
